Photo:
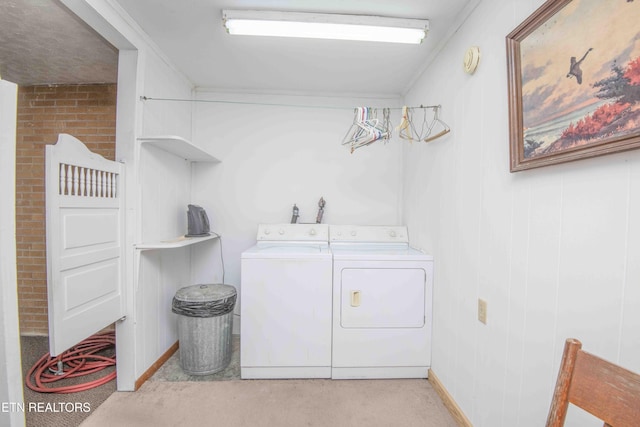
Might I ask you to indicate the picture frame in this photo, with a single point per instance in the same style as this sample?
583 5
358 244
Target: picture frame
573 82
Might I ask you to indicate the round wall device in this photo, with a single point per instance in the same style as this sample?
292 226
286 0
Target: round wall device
471 59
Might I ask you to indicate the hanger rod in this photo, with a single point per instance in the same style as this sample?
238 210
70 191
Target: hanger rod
146 98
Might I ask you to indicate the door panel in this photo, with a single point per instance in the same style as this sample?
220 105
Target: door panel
102 223
286 312
383 298
85 230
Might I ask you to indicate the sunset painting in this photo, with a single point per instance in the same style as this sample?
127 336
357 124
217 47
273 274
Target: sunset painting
580 74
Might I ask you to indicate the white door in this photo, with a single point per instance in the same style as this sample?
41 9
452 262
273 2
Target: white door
85 234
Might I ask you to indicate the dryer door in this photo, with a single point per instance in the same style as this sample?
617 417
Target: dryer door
383 298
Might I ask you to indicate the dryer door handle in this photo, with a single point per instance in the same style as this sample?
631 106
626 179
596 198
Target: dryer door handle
355 298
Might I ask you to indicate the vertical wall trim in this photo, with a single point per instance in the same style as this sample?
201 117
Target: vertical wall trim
526 293
508 314
128 114
556 309
11 389
625 263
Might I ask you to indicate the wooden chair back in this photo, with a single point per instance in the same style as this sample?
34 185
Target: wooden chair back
605 390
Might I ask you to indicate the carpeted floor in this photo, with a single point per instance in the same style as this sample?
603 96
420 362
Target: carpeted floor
281 403
63 410
172 398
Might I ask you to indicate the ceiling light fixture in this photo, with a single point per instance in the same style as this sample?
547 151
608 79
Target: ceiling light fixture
325 26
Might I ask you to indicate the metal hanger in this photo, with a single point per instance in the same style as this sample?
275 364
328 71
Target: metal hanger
419 134
357 129
436 120
367 128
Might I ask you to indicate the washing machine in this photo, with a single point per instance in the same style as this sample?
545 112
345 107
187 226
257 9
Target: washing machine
382 304
285 303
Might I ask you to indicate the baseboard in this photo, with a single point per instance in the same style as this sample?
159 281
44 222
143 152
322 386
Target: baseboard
448 401
158 363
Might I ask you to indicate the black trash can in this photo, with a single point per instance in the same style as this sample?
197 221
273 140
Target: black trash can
205 320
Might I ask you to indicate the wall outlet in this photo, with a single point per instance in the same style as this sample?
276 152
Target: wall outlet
482 310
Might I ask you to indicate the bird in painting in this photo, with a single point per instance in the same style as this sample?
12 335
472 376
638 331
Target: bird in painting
575 70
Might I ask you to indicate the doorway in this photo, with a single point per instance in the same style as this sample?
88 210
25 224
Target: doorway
66 76
87 111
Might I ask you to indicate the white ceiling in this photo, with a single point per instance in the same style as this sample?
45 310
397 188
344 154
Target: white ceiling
52 46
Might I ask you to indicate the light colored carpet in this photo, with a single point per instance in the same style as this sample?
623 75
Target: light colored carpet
279 403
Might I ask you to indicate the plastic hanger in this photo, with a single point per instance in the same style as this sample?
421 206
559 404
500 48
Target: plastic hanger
366 128
404 128
386 123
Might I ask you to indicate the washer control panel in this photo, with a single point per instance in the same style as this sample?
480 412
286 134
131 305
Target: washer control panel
369 233
293 232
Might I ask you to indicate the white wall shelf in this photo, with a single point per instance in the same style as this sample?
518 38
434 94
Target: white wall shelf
180 147
178 242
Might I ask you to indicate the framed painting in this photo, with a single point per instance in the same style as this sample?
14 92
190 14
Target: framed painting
574 82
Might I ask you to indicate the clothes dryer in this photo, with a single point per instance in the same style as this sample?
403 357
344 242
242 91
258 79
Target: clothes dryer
382 304
285 303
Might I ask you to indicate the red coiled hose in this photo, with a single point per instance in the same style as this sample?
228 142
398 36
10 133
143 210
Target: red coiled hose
77 361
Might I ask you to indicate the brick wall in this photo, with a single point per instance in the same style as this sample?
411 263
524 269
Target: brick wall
87 112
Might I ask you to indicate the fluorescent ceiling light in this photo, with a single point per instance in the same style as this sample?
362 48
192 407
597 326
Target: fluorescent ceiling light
325 26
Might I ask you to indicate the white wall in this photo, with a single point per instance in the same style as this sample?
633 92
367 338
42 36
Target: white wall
11 392
276 155
162 194
158 186
554 250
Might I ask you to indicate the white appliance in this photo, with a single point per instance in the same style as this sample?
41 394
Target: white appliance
285 303
382 304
